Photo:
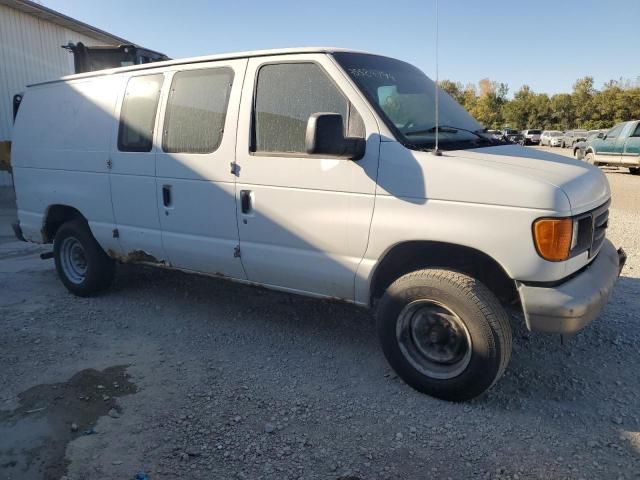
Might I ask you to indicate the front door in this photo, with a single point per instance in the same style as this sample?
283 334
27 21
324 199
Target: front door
609 148
195 185
629 144
303 220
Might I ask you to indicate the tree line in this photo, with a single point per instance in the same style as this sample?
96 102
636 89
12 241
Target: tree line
585 107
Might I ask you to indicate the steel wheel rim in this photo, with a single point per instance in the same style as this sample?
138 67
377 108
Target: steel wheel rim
73 260
433 339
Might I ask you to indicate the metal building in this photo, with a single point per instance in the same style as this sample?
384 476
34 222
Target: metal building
31 37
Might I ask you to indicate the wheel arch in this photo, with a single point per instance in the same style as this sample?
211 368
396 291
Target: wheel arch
406 257
55 215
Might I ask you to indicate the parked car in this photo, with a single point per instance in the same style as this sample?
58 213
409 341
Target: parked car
551 138
512 136
619 146
497 134
579 149
205 165
531 137
544 137
570 137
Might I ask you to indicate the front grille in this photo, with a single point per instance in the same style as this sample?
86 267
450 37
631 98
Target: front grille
592 228
600 223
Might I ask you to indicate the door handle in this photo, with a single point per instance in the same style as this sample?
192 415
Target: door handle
166 195
246 201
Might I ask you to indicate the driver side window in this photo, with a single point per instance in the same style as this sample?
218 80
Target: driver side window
287 94
615 131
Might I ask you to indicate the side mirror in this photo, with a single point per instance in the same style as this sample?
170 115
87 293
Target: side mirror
325 136
601 135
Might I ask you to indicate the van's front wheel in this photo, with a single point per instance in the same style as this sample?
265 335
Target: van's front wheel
83 267
444 333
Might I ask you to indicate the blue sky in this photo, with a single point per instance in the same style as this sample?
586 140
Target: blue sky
545 44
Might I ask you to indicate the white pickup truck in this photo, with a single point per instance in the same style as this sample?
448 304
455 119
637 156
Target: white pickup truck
313 171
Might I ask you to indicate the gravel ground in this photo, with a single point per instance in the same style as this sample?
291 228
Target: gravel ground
228 381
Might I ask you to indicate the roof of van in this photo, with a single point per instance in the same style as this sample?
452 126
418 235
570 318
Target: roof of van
205 58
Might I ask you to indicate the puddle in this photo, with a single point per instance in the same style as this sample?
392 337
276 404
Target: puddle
34 436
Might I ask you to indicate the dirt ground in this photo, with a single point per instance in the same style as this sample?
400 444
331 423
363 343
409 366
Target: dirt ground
171 376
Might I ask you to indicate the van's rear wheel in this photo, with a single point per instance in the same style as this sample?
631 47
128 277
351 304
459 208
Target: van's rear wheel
83 267
444 333
635 170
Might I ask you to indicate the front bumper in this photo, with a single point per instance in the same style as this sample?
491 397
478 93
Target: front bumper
571 306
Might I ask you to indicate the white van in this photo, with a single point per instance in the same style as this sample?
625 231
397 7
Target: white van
313 171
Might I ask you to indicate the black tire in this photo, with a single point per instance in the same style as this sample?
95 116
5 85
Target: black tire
487 329
634 170
75 246
564 145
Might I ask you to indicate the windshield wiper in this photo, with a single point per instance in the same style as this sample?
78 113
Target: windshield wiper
445 129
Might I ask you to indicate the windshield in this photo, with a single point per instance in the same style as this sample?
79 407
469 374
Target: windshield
555 134
405 99
534 132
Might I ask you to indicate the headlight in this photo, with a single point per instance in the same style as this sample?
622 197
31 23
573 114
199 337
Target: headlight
553 238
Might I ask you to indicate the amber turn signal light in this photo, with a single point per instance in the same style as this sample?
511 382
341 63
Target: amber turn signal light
552 237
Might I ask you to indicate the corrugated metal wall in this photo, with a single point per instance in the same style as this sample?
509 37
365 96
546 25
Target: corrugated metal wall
30 52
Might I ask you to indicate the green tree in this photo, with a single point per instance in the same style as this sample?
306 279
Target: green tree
452 88
604 107
563 112
582 97
540 114
584 107
488 106
518 111
469 97
628 104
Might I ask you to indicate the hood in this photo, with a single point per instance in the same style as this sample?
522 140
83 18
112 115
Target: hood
507 175
586 186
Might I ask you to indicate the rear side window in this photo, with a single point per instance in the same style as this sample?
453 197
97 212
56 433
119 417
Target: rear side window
138 113
637 132
287 94
196 110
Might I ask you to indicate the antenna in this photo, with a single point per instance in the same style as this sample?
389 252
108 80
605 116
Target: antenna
436 151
